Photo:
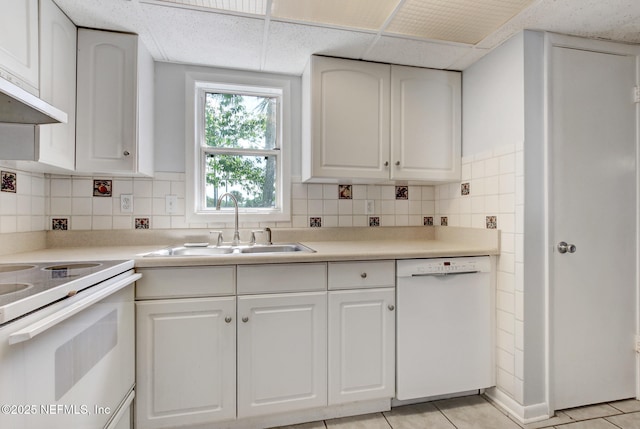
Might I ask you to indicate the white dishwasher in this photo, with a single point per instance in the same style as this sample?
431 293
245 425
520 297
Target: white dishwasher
444 326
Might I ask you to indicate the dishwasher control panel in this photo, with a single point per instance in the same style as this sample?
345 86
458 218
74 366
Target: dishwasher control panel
416 267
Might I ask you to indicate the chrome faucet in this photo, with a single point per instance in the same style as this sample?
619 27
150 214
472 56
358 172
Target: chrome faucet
236 233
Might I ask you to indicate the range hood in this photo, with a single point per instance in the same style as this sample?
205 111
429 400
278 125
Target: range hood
18 106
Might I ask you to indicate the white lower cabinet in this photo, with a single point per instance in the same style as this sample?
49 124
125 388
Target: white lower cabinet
185 362
253 343
361 345
282 361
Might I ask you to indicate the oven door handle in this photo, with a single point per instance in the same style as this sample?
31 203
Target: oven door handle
41 326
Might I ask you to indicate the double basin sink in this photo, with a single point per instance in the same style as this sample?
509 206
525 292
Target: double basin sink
231 250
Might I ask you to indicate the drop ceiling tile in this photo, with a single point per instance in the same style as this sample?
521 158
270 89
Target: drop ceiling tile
257 7
602 19
463 21
362 14
115 16
289 46
416 52
219 40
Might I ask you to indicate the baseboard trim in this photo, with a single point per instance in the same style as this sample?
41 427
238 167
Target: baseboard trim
523 413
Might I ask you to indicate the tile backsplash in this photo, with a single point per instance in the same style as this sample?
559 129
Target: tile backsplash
484 198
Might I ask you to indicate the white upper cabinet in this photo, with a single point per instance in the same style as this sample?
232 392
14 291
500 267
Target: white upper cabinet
114 132
57 85
369 122
19 43
425 124
346 126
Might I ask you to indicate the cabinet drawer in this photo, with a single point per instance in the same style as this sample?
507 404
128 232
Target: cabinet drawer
362 274
185 282
276 278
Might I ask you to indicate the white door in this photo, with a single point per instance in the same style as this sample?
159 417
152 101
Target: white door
185 362
361 345
282 352
593 207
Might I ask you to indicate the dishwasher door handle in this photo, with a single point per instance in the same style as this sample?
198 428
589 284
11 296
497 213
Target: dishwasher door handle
459 273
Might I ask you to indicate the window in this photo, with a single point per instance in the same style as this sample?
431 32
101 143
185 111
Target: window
238 147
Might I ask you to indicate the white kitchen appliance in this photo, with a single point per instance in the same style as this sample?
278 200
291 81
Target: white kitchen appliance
444 326
67 345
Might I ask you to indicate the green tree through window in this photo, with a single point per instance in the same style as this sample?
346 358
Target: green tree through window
240 149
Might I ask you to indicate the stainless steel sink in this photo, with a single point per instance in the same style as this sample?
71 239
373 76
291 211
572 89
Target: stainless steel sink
231 250
276 248
191 251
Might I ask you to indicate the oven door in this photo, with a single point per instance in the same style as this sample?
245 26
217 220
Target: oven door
71 364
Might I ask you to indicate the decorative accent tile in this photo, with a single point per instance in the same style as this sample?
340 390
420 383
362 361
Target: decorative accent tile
344 192
444 221
464 189
60 224
9 182
142 223
374 220
492 222
315 222
402 192
428 221
102 188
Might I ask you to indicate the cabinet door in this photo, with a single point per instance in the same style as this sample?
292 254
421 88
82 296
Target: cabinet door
349 135
361 345
57 145
425 124
106 119
185 362
19 43
282 352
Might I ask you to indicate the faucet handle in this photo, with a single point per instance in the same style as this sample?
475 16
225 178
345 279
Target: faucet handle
266 231
219 239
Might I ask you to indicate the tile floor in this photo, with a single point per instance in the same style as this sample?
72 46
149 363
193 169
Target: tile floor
476 412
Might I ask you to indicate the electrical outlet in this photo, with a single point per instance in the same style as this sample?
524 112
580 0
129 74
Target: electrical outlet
126 203
171 202
369 206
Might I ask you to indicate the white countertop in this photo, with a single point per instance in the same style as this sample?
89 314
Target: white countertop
340 244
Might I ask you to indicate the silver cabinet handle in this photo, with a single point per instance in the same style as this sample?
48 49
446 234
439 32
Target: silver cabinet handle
228 319
391 307
126 153
245 319
397 162
363 275
386 163
564 247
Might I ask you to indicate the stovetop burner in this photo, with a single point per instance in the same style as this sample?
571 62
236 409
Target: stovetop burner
29 286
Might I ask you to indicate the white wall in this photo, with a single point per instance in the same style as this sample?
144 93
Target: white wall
170 114
503 105
493 99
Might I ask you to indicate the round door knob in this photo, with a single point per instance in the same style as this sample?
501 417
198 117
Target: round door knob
391 307
397 162
564 247
228 319
126 153
245 319
363 275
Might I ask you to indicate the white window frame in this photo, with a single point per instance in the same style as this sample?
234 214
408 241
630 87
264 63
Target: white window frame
196 86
